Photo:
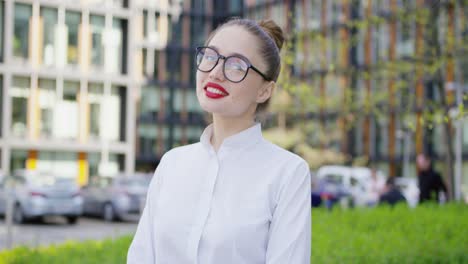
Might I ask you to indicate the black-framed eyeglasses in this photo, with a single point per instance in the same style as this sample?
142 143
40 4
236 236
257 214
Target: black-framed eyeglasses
235 67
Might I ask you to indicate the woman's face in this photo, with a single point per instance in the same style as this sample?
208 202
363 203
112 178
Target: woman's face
237 100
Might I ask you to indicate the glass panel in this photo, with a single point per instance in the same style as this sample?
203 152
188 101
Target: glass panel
192 102
147 136
96 101
97 46
61 164
72 21
18 159
149 100
47 101
197 31
23 13
1 106
49 16
66 113
1 31
117 106
19 93
116 46
178 97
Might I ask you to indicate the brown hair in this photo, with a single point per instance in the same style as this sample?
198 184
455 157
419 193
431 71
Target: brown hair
271 39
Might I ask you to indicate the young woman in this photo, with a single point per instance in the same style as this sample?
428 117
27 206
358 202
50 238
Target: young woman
233 197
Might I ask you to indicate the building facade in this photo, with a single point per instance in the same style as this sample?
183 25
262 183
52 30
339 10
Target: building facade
340 45
96 87
92 87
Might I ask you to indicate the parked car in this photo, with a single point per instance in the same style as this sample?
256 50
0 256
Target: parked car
116 198
2 194
342 181
37 194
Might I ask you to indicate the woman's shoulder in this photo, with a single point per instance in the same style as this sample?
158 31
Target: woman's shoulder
181 151
276 152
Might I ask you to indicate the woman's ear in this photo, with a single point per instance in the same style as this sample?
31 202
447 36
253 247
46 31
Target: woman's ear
265 92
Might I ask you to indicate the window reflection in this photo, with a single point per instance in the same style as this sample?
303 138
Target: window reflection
19 93
97 45
72 21
47 101
23 13
49 49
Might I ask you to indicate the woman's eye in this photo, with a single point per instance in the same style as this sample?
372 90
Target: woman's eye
211 57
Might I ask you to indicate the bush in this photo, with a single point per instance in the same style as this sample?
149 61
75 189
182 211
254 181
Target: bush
427 234
107 251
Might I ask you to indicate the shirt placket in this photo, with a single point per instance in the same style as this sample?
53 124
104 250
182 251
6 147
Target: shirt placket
204 207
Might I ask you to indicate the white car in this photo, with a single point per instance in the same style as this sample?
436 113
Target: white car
355 180
409 188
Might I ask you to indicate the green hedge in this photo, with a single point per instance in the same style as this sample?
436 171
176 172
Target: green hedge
107 251
427 234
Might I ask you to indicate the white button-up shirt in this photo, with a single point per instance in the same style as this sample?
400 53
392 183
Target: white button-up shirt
247 203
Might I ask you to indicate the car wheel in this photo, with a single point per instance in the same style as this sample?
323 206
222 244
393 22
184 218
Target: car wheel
108 212
18 215
72 219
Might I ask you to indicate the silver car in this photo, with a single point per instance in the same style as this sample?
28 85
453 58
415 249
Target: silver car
118 198
37 194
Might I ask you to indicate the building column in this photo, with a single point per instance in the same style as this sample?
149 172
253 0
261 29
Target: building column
83 169
31 161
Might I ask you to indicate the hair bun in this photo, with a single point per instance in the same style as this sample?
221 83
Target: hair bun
274 31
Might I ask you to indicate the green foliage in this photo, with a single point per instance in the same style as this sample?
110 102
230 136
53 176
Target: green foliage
426 234
102 252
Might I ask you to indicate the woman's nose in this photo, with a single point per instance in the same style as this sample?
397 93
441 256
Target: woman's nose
217 72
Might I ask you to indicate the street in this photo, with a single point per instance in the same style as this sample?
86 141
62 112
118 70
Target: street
56 231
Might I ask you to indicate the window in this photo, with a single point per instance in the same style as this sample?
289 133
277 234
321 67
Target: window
192 101
1 30
117 102
381 137
47 101
66 115
149 104
1 105
72 21
147 137
18 159
19 93
49 16
116 46
96 100
23 13
313 21
97 46
334 94
198 30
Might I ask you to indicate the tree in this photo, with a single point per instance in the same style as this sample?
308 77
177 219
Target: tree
400 98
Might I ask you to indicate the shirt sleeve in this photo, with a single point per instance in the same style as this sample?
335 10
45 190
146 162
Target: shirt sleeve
290 229
141 249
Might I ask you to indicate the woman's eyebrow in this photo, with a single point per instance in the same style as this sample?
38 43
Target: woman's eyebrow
231 54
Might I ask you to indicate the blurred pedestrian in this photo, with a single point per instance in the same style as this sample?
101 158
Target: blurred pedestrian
430 182
233 197
391 194
376 187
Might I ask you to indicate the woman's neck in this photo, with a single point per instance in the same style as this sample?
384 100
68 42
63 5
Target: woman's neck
225 127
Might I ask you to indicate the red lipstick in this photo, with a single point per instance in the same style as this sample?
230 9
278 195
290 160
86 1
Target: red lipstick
215 91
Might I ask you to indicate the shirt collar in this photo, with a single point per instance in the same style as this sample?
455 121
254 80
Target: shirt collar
242 139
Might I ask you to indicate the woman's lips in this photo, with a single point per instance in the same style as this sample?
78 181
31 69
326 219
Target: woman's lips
215 91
